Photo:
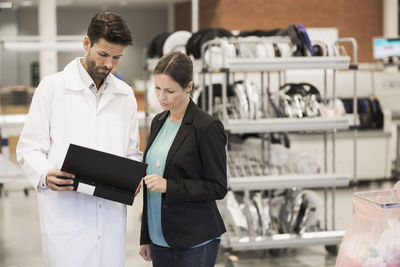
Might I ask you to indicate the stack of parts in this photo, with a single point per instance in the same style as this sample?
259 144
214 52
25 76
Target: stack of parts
292 100
218 44
280 160
263 214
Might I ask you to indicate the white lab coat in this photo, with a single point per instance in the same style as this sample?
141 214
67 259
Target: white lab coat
78 230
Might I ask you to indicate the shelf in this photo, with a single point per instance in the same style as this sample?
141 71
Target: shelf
152 62
271 125
11 125
10 172
278 64
288 181
286 240
286 125
272 64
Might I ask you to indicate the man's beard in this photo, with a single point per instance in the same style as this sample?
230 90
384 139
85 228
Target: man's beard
94 70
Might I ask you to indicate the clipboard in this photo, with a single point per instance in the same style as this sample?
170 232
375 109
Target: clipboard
103 174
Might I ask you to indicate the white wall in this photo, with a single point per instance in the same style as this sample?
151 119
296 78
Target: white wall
145 23
8 61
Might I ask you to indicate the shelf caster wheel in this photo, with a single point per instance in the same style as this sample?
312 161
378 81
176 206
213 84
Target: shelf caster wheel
276 252
231 260
26 192
264 253
333 249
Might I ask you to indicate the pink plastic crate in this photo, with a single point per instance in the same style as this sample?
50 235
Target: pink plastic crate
373 237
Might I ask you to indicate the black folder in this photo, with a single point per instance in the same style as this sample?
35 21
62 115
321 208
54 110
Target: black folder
102 174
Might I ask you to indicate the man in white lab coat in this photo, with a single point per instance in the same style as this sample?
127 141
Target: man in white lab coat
85 105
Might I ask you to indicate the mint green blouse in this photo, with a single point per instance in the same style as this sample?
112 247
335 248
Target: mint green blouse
156 158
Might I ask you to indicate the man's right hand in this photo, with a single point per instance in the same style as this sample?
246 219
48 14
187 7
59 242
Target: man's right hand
60 184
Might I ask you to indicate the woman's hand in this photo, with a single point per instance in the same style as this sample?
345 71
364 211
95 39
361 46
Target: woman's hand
138 189
156 183
144 251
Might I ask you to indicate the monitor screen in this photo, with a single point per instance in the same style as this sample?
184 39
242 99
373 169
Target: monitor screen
386 47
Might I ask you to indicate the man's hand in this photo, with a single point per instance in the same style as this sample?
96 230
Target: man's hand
155 183
144 251
60 184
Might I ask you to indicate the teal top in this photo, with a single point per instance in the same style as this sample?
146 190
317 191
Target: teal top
156 158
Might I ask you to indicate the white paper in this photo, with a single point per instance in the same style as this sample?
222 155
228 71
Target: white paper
86 189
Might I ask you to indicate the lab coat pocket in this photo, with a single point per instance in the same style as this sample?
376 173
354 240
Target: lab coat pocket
63 212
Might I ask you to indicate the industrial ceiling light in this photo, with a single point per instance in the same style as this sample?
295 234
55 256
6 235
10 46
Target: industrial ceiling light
26 3
7 4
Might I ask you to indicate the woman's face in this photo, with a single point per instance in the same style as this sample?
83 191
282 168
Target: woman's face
169 93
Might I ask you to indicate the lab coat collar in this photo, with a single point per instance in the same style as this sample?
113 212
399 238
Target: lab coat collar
74 81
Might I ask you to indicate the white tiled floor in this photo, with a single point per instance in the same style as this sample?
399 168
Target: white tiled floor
20 237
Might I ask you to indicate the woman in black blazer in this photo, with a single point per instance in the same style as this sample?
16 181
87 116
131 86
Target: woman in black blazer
186 173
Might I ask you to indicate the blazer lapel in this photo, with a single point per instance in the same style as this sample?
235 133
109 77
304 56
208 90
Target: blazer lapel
183 131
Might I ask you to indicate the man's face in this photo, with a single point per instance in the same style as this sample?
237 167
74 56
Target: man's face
101 58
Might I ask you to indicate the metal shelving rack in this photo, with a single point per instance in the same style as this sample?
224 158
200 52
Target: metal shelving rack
288 181
285 125
332 180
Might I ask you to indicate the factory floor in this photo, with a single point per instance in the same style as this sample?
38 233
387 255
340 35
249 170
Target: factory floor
20 243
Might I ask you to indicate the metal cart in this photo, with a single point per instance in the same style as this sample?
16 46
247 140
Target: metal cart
228 67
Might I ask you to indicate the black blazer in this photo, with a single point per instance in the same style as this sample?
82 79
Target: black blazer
195 170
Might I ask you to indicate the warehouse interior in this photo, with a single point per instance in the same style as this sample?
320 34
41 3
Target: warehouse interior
297 163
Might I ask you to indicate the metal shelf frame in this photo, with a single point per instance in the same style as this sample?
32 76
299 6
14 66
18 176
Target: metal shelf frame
285 181
286 125
264 126
286 240
11 125
279 64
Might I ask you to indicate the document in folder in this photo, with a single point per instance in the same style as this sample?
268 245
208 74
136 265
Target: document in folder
102 174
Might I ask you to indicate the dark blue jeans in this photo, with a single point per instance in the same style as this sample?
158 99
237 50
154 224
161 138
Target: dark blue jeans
204 256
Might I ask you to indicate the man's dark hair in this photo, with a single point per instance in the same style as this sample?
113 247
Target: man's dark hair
110 26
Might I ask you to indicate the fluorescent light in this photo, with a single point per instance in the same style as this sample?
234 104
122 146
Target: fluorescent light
26 3
42 46
5 4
